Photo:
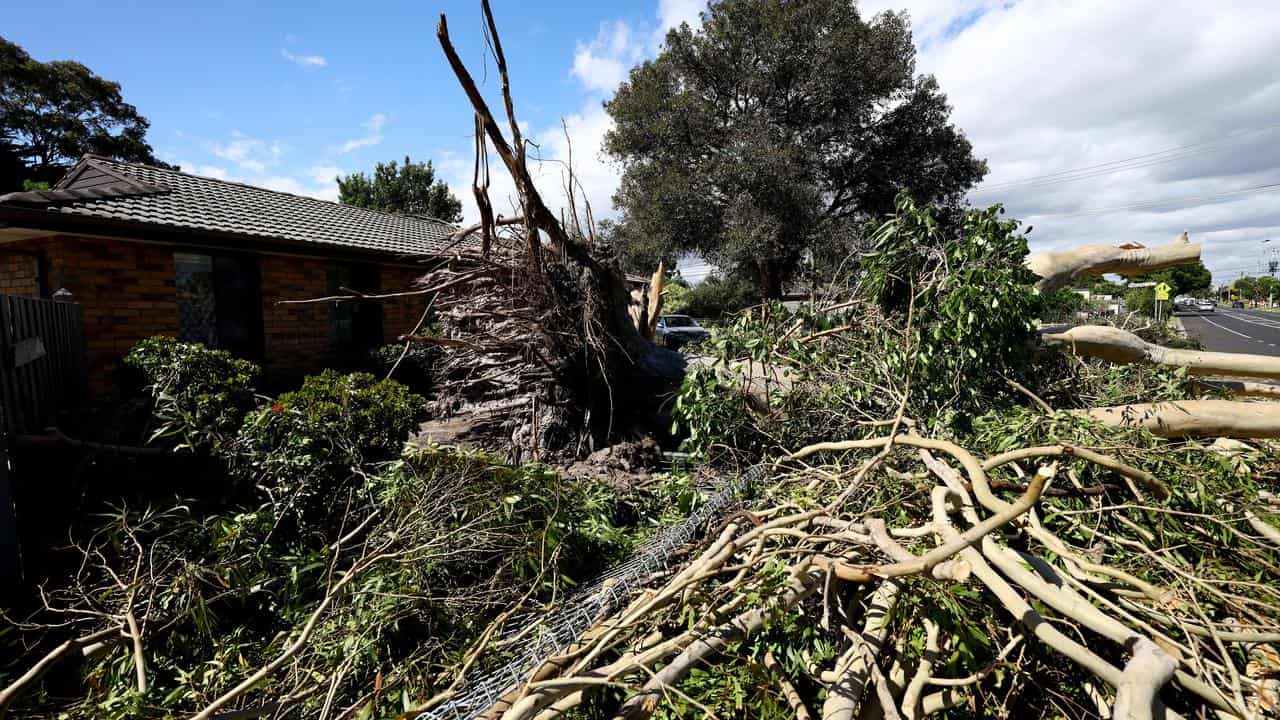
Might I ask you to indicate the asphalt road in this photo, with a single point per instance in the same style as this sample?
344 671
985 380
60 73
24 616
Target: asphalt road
1233 330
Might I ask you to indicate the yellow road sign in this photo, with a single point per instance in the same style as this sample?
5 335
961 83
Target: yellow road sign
1162 291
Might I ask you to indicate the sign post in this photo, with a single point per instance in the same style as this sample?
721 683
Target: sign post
1162 300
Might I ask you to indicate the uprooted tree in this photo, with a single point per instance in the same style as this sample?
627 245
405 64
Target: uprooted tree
536 319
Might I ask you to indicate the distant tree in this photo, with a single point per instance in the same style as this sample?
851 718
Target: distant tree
777 127
1250 288
51 113
1106 287
1193 279
636 252
409 189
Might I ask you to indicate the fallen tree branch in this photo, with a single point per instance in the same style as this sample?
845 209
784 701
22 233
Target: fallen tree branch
1244 388
968 538
1059 269
842 702
1184 418
15 688
1145 673
1150 481
1119 346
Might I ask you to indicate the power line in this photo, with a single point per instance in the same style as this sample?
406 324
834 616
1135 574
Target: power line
1148 204
1130 163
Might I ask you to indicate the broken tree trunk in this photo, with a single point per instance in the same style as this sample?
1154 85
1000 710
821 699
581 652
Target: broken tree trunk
1059 269
1119 346
1185 418
656 284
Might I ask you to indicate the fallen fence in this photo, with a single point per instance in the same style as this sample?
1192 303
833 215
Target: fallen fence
551 634
42 361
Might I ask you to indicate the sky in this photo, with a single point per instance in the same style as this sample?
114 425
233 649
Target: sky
1101 121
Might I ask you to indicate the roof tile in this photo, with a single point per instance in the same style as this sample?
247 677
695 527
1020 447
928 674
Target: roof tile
196 202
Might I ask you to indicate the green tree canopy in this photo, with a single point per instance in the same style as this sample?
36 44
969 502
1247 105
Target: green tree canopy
779 127
409 189
51 113
1192 279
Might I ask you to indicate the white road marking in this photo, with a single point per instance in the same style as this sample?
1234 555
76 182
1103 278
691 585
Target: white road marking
1224 327
1254 320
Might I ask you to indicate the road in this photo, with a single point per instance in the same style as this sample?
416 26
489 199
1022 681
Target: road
1234 330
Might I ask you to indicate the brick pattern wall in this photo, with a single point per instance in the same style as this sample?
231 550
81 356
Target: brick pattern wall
127 293
400 315
297 336
18 274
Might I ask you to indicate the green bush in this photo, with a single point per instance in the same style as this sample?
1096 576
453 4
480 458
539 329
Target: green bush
198 397
413 367
440 542
716 297
310 441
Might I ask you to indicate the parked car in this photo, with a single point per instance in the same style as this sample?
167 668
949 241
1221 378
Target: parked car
1205 305
677 331
1237 304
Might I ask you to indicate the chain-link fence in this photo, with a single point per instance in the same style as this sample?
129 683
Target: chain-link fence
546 635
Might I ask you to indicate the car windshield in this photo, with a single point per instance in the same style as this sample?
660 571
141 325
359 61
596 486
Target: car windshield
679 321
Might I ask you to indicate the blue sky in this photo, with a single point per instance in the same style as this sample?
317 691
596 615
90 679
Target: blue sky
289 93
287 96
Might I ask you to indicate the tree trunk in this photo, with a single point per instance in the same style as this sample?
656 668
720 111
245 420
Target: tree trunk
1185 418
770 279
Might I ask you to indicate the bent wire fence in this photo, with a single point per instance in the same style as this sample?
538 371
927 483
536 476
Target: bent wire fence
551 634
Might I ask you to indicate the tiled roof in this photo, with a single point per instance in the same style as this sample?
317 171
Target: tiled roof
101 187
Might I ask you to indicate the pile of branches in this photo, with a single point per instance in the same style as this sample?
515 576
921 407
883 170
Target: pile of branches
536 326
182 611
904 576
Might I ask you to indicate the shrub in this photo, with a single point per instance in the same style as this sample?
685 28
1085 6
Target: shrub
412 367
309 441
197 396
440 543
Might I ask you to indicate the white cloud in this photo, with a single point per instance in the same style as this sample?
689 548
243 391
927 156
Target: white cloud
1045 87
605 62
248 153
325 174
671 13
372 136
306 61
357 143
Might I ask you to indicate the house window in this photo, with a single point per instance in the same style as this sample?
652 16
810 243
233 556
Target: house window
197 304
355 327
220 302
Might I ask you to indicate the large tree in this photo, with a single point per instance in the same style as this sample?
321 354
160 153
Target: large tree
409 189
51 113
778 127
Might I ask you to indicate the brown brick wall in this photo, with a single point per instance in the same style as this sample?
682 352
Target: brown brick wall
297 336
400 315
126 290
18 274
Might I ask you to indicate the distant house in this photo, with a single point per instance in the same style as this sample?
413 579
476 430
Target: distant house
149 251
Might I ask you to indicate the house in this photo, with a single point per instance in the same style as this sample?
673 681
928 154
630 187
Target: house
150 251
